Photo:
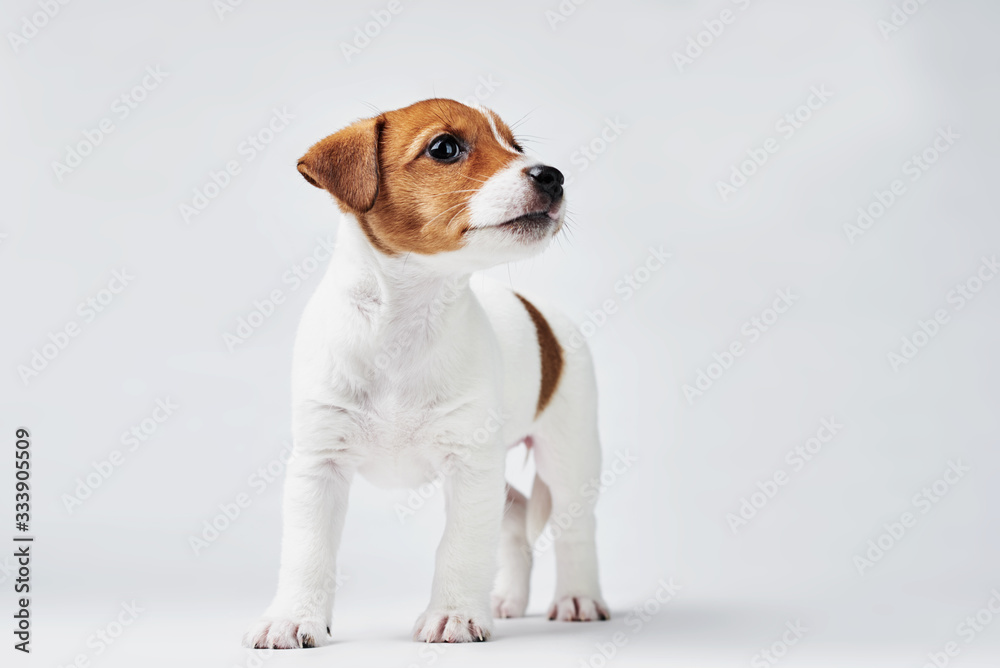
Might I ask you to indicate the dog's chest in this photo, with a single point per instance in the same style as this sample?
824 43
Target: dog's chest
401 431
402 446
410 387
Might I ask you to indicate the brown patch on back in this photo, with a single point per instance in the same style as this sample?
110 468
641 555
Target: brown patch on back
404 200
551 352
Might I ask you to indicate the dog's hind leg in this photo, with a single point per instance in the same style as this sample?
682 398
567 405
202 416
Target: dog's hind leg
568 460
510 592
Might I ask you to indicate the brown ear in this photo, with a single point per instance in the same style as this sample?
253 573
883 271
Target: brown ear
346 164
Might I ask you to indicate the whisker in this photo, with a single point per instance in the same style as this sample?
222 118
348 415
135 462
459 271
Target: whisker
449 209
528 139
518 122
466 176
523 118
474 190
455 216
530 144
570 233
378 112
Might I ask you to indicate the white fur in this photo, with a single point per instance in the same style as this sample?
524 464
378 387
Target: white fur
404 367
491 119
496 133
502 197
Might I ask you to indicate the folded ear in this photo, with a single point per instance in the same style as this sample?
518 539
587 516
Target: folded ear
346 164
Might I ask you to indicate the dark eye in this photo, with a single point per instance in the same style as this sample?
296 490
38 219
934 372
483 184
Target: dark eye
444 149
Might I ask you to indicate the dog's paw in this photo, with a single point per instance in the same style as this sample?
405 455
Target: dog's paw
277 633
453 626
508 604
578 609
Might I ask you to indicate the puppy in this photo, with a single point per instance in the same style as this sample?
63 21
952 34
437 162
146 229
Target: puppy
404 368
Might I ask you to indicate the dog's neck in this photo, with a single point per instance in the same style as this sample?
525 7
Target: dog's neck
399 295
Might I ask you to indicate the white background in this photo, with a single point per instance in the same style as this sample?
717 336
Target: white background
654 185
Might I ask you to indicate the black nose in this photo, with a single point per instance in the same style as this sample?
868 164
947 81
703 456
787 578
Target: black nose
547 179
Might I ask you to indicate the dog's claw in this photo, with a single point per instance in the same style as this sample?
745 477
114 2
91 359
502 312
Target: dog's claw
453 626
508 605
270 633
579 609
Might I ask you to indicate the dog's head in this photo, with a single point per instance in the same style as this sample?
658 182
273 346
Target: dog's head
440 179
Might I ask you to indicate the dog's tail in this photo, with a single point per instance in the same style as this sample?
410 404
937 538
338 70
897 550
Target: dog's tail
539 509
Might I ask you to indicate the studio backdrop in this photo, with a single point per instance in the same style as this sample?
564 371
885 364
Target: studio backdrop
782 250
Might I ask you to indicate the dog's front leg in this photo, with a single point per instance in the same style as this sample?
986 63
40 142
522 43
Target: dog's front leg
459 610
314 506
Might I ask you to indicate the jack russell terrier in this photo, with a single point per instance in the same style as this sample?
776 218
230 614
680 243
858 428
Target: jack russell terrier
403 368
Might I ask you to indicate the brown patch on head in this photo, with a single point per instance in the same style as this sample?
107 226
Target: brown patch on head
551 352
405 200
